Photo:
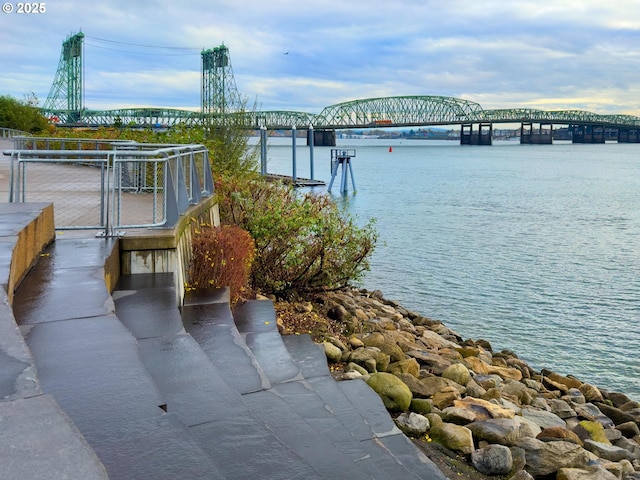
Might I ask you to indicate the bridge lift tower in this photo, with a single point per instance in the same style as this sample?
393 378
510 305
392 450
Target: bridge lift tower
219 92
67 91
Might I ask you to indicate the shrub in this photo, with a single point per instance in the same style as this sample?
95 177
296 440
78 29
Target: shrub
222 256
304 242
21 115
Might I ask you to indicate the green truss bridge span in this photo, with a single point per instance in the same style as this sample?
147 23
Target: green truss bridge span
221 102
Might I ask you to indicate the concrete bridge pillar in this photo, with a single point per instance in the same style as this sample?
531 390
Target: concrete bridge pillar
588 133
482 136
322 138
530 135
628 135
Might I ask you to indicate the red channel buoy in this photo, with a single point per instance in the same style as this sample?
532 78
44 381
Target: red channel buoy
390 149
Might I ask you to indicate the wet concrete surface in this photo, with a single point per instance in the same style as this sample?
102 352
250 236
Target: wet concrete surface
192 387
248 449
43 443
92 368
213 327
163 394
308 356
256 322
147 306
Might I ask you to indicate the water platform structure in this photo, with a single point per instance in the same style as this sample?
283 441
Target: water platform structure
342 157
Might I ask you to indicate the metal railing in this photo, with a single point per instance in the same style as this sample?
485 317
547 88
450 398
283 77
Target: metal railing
10 132
109 185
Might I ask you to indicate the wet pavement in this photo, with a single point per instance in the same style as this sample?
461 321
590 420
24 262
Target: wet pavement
133 385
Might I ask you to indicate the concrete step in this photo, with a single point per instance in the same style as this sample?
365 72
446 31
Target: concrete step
67 282
197 392
33 431
193 388
146 305
359 410
89 362
256 322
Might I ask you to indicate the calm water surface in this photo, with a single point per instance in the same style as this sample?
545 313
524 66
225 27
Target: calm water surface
534 248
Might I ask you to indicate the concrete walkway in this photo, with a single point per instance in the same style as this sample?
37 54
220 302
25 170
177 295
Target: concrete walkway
125 385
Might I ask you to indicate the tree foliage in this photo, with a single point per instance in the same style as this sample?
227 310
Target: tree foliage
21 114
304 242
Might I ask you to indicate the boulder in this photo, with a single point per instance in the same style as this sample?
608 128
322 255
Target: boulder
333 353
478 366
417 386
543 418
421 405
521 475
338 313
527 427
484 409
445 397
435 341
395 395
386 344
594 431
458 415
615 414
561 408
458 373
368 357
435 384
412 424
553 434
591 393
629 429
409 366
504 431
544 458
608 451
453 437
492 460
589 473
431 361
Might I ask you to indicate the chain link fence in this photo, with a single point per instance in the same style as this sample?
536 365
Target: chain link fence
102 184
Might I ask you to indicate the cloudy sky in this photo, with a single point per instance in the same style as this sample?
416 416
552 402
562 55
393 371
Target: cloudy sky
307 54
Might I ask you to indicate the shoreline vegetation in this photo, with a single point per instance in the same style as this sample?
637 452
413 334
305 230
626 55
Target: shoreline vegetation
476 412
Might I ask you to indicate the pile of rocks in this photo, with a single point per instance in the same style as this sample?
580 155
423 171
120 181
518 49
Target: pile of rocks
506 418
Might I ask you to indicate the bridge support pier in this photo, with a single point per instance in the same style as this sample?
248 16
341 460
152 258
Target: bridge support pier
480 137
628 135
540 136
587 133
321 138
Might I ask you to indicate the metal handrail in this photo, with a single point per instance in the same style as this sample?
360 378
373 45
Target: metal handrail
181 173
11 132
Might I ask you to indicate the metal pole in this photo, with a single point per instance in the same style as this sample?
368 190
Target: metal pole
345 165
353 180
263 150
311 142
293 154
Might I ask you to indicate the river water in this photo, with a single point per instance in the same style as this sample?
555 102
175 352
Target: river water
535 248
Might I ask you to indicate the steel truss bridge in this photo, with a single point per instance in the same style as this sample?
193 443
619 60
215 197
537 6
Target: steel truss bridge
401 111
220 104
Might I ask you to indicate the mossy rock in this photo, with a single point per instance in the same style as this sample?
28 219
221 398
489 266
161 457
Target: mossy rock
395 395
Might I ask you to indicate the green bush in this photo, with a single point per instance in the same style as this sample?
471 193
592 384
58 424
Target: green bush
21 115
304 242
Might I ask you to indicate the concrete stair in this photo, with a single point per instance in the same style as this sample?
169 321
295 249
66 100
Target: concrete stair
159 392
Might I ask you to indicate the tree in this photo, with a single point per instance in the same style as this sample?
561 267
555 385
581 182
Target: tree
22 115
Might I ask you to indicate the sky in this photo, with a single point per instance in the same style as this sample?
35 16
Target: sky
303 55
